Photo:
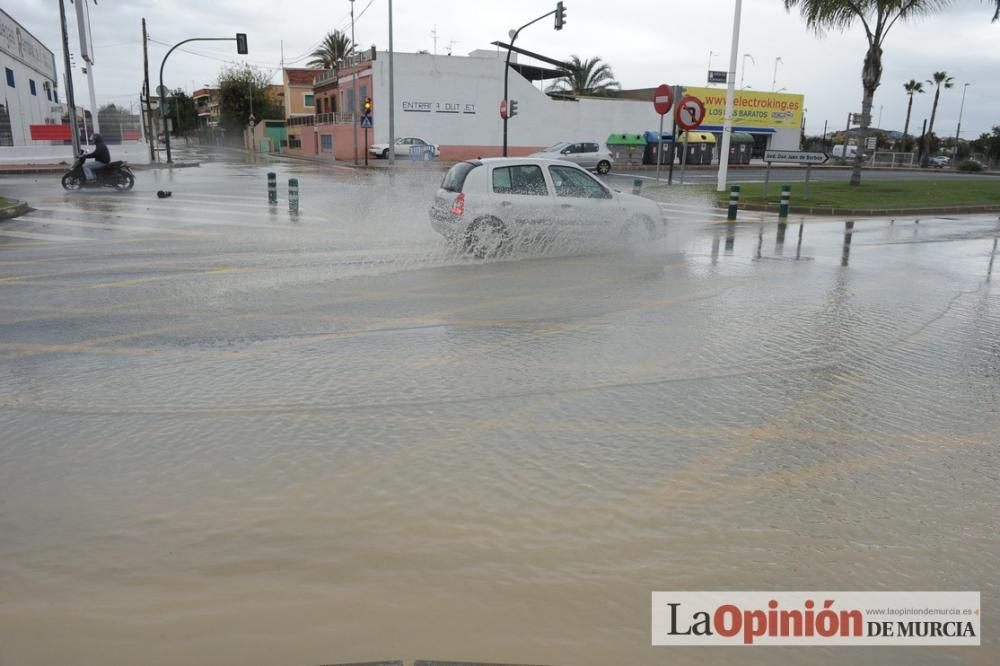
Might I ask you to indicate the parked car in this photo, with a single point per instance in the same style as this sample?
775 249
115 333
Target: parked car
588 154
489 204
940 161
403 148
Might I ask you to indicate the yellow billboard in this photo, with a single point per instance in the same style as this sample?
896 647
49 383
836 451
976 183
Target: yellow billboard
751 108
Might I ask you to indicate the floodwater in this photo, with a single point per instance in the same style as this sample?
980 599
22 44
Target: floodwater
233 436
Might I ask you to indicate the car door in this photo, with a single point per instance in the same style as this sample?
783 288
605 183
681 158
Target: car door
583 203
522 197
588 156
575 153
403 147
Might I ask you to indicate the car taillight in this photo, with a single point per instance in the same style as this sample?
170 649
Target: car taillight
459 206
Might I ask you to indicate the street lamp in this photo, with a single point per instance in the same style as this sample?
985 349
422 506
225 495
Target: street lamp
710 54
743 73
774 81
958 130
727 119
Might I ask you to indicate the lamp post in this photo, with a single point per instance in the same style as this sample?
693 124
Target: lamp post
744 71
958 130
710 54
392 100
774 80
727 123
354 107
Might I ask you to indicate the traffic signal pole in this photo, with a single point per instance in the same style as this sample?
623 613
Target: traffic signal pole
559 12
161 91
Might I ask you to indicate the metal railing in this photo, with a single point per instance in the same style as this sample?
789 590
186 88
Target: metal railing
322 119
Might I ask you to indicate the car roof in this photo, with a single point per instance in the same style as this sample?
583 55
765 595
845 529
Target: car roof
498 161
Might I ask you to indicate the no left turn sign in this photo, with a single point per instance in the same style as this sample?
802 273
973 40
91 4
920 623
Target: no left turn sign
690 112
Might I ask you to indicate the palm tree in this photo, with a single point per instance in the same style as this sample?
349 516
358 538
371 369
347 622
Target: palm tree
912 86
877 17
940 79
587 77
335 45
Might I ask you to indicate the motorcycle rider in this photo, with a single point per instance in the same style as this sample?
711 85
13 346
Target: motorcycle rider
98 159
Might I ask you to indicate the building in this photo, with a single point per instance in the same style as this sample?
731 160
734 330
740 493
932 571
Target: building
29 84
453 101
298 96
207 104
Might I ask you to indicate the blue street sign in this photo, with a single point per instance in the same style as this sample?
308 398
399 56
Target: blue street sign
366 121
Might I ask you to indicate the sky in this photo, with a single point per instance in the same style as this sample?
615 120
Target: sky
646 42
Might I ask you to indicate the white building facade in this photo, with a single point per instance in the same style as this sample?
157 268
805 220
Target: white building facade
454 101
28 83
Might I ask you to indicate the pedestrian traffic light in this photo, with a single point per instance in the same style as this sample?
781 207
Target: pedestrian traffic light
241 43
560 15
512 111
368 105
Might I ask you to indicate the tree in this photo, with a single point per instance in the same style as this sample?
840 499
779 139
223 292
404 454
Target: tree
940 79
182 113
911 87
335 46
242 88
877 17
587 77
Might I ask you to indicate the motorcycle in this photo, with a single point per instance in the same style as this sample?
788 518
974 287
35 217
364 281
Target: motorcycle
116 174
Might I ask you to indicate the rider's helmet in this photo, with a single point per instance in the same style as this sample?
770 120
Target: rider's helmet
97 138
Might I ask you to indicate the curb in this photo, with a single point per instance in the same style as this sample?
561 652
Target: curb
16 210
867 212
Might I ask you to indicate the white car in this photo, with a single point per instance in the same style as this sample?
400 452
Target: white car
406 146
488 204
588 154
940 161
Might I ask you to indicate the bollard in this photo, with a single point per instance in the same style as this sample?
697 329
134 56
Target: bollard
272 188
734 201
636 187
786 194
293 195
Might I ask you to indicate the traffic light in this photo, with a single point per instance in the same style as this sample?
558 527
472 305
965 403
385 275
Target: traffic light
241 43
368 105
512 110
560 15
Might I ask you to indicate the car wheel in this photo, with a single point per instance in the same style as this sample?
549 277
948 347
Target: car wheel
385 154
486 237
72 182
640 227
603 167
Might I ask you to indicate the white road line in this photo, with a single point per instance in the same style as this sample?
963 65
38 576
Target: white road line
107 226
45 237
186 221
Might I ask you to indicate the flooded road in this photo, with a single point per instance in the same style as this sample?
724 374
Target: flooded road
234 436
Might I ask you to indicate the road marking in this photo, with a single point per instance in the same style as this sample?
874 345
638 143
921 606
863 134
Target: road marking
108 226
45 237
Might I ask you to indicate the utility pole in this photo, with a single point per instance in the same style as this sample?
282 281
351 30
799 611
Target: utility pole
392 99
354 107
147 117
70 101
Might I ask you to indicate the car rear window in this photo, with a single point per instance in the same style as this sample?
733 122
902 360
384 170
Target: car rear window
455 178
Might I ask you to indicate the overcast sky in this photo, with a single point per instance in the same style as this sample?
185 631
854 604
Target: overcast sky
647 42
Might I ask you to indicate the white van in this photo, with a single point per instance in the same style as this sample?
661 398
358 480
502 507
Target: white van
838 152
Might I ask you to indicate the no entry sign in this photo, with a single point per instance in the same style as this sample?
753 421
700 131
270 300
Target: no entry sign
690 112
663 99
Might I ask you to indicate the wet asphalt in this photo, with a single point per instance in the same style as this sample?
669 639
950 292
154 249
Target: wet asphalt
234 435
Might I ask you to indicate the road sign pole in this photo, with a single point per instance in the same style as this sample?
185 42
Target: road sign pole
673 137
767 177
659 149
684 154
366 147
808 169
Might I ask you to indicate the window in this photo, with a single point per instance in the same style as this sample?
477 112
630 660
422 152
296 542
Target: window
31 87
55 96
570 182
309 100
590 147
350 101
363 92
525 179
48 90
326 143
10 77
455 178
